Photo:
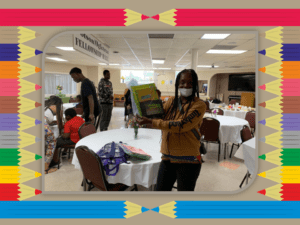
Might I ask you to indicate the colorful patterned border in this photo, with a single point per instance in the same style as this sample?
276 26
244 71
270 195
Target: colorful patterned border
292 19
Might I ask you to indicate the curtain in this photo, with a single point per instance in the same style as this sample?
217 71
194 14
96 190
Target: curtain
52 80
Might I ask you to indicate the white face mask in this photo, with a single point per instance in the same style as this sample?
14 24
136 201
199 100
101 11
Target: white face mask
186 92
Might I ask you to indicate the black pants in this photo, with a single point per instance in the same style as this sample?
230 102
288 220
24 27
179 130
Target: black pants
60 142
186 175
106 111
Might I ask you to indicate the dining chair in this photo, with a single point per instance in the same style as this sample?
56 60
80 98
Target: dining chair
83 131
221 112
210 129
232 102
250 117
207 106
93 172
72 100
245 136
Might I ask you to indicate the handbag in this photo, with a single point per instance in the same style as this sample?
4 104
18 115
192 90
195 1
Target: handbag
112 155
202 149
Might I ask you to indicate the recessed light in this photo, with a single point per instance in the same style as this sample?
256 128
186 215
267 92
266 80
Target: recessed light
66 48
103 64
206 66
114 64
162 68
57 59
215 36
155 61
213 51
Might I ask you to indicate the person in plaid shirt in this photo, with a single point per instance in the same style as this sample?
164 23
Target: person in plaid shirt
106 97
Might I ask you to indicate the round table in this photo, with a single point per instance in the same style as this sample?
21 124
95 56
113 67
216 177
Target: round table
69 105
215 105
247 152
239 114
140 173
230 128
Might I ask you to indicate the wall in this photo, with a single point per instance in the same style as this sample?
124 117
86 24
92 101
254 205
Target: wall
92 74
95 73
222 87
63 68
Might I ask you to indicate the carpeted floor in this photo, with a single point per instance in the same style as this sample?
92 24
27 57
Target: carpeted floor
225 175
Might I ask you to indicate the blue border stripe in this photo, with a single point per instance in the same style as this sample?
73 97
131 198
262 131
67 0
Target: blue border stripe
237 209
63 209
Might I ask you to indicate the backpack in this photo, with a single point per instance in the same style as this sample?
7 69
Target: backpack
112 155
135 152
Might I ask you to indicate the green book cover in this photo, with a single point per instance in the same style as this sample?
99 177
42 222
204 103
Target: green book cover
142 93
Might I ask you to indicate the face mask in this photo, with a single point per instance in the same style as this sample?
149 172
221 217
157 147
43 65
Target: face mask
186 92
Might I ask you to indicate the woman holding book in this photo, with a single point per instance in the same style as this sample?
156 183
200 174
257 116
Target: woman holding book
181 159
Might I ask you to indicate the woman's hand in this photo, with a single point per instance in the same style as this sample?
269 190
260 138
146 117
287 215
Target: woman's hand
143 120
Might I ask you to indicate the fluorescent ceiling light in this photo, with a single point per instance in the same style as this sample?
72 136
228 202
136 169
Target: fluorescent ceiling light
66 48
205 66
155 61
103 64
57 59
215 36
162 68
213 51
114 64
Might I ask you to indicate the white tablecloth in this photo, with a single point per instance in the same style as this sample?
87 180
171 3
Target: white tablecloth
247 152
141 173
238 114
230 128
213 105
69 105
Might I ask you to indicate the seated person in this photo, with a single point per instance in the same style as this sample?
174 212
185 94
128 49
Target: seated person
79 100
51 109
70 135
50 143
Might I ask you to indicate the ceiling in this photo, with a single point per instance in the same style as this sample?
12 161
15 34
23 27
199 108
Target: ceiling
137 50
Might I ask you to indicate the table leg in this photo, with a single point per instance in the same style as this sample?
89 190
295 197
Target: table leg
84 184
153 187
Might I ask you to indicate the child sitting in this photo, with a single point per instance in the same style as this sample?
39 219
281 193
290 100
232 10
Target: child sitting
70 136
79 100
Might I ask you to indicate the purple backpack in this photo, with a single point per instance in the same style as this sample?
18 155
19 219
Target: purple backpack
112 155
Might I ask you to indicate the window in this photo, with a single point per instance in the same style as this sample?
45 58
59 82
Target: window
52 80
176 73
142 76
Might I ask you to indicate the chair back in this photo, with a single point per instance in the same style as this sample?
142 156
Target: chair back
92 167
79 111
210 129
221 112
86 129
232 102
246 133
207 105
72 100
250 117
